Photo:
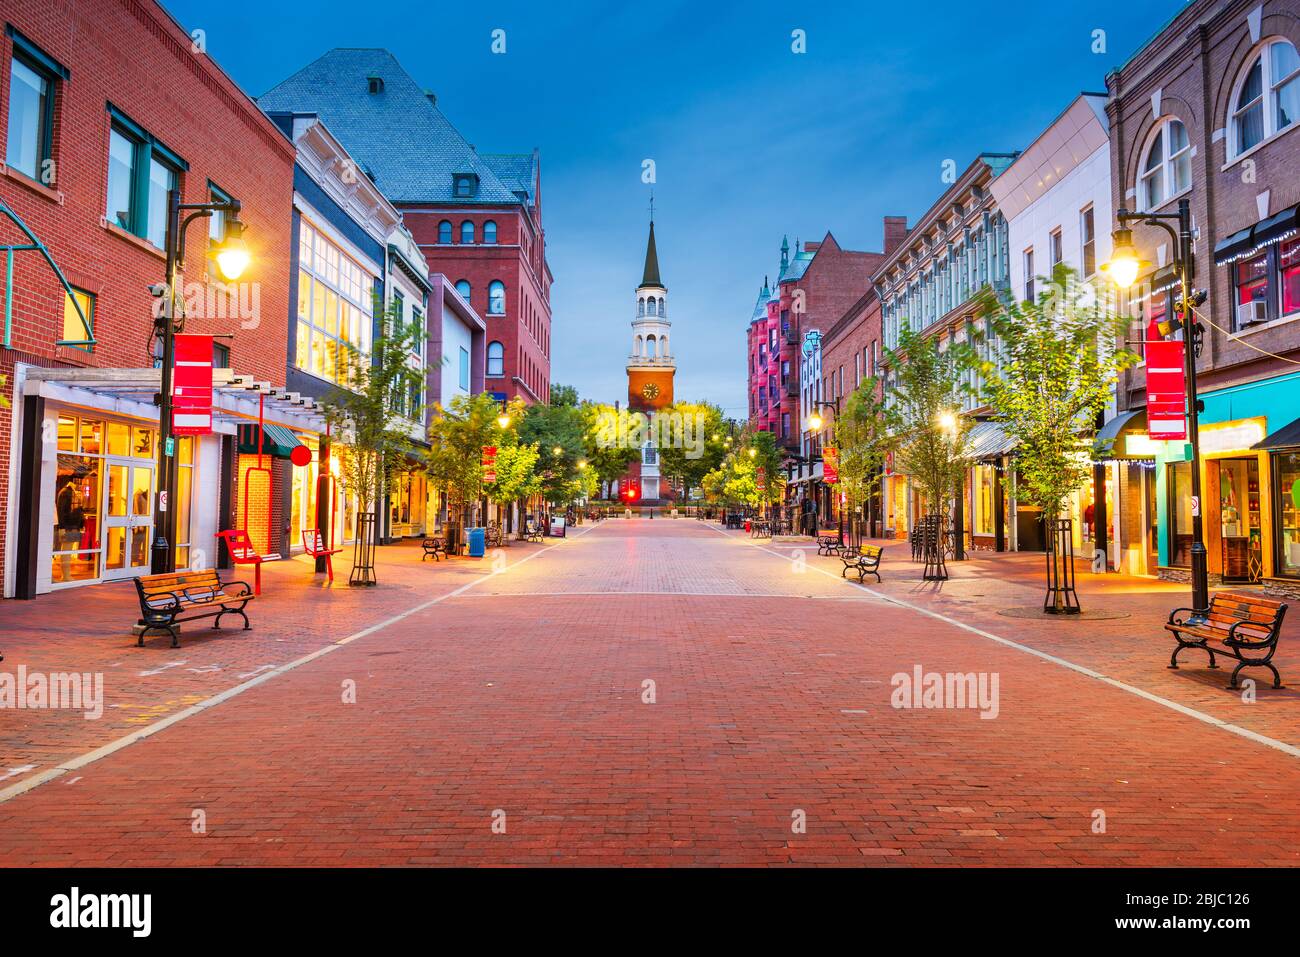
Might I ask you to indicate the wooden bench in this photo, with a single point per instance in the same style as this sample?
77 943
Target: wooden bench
1240 626
437 547
532 532
313 543
865 560
492 536
242 552
759 528
164 599
828 545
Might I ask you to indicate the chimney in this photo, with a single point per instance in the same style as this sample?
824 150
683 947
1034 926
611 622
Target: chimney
895 233
431 97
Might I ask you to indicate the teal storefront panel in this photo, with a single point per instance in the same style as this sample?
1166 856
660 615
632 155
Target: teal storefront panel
1277 400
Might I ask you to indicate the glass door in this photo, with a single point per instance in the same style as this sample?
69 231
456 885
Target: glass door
128 518
1239 516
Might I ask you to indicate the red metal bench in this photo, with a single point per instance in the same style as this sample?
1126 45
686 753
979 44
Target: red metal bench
313 543
242 552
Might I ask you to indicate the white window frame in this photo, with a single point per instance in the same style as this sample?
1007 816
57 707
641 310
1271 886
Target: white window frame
1165 168
1268 96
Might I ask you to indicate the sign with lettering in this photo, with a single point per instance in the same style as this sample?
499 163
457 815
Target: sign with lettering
830 465
192 386
1166 391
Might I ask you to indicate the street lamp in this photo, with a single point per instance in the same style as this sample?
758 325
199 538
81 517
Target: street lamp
1124 267
232 259
815 423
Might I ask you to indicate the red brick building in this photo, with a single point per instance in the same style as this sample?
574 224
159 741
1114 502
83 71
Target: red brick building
476 216
104 106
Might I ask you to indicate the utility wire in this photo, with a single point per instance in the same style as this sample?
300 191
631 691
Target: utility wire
1227 332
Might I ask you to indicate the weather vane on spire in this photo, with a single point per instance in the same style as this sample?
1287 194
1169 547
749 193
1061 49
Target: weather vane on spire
652 206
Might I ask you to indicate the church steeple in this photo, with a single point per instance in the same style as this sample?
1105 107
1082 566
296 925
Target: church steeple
650 276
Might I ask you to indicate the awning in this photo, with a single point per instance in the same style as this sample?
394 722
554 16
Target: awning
1112 439
277 441
1266 232
988 440
1277 227
1287 437
1235 247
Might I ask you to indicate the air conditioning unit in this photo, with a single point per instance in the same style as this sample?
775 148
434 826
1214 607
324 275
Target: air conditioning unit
1251 313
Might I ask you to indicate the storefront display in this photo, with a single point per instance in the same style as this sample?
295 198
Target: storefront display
1286 510
1239 519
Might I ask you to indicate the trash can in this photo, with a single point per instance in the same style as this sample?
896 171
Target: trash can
477 542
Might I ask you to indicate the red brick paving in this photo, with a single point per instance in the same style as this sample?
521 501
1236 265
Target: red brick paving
524 694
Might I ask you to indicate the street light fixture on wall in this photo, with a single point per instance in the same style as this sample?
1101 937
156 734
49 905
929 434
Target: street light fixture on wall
232 259
1124 267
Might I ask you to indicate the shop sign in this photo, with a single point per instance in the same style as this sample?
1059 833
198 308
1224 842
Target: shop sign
489 463
830 465
1166 391
192 386
1236 436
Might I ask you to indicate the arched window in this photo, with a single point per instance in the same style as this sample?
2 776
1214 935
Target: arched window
496 359
1166 165
490 232
650 306
444 232
650 346
640 344
467 231
497 298
463 287
1268 98
640 307
663 345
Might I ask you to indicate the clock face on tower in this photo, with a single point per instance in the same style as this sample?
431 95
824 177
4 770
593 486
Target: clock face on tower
650 390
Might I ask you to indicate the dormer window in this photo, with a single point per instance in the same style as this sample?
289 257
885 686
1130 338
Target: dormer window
464 184
375 84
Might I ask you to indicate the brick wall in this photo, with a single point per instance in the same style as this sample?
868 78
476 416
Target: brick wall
131 54
517 260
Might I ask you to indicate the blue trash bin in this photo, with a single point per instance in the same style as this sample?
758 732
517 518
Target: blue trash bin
477 542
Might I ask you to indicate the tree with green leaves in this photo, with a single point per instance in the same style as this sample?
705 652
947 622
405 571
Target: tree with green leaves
929 387
517 478
558 433
563 395
457 435
1051 370
373 407
605 437
866 431
736 480
686 456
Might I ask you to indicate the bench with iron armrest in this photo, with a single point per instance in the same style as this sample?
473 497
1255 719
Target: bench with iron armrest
164 599
1239 626
759 528
532 532
865 560
437 547
492 537
829 545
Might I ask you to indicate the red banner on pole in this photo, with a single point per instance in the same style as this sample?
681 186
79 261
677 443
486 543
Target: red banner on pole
192 386
1166 391
489 463
830 465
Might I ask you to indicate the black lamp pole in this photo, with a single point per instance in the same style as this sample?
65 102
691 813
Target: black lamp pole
172 321
1192 336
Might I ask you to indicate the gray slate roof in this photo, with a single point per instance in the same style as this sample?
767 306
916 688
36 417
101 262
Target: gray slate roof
398 135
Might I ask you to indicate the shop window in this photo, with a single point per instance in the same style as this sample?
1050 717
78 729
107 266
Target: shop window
1289 262
75 332
76 551
334 308
983 500
1286 485
1179 479
1239 517
1250 280
33 80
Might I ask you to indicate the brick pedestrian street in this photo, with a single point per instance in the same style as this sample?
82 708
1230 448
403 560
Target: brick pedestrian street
646 692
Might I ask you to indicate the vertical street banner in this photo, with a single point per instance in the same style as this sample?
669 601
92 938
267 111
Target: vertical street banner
1166 391
830 464
489 463
760 479
192 386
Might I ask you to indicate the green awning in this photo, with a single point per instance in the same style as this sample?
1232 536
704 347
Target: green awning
277 441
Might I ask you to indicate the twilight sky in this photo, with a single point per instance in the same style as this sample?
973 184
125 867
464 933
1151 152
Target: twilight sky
751 141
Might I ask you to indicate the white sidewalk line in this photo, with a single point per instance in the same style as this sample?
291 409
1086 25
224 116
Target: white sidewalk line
1054 659
104 751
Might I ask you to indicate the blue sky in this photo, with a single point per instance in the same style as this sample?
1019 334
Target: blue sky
751 141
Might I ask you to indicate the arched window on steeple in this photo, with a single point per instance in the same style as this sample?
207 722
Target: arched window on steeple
663 346
640 308
650 346
640 344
